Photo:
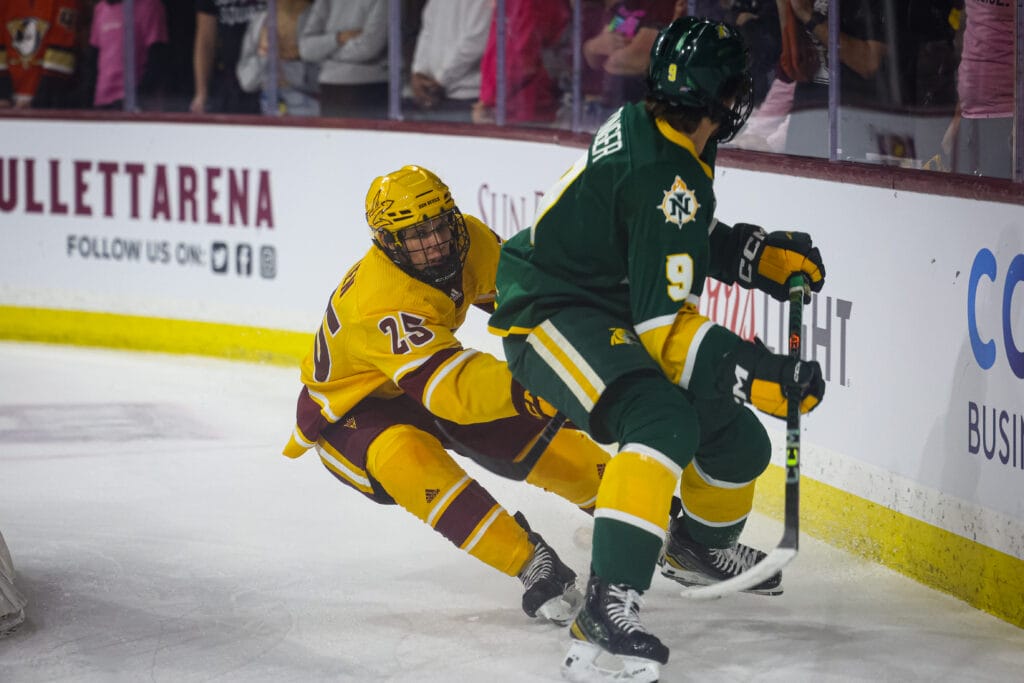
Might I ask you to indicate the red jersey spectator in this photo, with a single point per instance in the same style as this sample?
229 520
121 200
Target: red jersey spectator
37 52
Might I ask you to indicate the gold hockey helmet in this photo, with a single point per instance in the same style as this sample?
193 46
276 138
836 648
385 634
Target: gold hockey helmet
414 220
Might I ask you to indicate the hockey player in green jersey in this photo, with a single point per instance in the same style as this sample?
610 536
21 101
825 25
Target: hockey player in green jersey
598 309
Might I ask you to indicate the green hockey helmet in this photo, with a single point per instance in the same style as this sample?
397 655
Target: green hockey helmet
702 64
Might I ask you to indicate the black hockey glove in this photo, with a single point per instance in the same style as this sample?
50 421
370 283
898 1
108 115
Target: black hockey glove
765 379
768 260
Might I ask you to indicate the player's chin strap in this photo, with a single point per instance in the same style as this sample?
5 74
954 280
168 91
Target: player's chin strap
786 550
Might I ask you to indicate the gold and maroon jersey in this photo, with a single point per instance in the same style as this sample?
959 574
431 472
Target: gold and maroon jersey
385 333
37 42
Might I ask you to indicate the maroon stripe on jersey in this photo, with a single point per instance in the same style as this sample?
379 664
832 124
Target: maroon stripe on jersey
465 513
308 417
415 383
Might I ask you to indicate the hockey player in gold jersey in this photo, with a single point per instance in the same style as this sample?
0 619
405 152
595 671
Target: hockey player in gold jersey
388 387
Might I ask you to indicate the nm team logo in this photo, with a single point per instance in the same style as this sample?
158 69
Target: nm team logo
679 204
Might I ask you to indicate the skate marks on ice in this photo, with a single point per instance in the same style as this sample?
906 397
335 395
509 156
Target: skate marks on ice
208 556
35 423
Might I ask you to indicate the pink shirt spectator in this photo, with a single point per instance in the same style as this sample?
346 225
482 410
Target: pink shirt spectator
986 77
531 26
107 36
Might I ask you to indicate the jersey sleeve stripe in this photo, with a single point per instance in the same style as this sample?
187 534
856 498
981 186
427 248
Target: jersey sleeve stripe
59 60
691 353
443 371
567 363
407 368
301 439
654 323
325 405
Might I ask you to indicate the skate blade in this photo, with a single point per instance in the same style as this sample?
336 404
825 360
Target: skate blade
691 579
588 663
562 609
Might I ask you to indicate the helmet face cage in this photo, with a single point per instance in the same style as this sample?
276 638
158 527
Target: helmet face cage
702 64
432 251
731 119
415 222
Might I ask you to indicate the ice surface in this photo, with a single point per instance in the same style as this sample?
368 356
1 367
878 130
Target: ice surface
160 536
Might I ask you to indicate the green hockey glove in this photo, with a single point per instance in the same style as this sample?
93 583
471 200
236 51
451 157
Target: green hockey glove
768 260
765 379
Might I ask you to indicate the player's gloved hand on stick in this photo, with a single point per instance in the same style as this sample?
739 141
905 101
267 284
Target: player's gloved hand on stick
527 403
769 260
766 380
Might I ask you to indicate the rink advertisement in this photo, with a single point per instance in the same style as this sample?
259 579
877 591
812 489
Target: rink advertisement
224 224
919 329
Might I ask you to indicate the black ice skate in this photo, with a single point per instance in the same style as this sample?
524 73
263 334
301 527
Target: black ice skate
551 590
609 624
693 564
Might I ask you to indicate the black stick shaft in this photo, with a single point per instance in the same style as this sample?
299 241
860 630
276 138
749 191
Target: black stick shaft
791 531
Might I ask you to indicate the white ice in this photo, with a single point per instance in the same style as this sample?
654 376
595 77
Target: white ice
160 536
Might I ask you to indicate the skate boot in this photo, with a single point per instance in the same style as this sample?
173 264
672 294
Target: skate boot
551 590
693 564
609 624
9 623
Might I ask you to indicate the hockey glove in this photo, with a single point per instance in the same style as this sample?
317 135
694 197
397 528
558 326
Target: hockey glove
766 380
768 260
527 403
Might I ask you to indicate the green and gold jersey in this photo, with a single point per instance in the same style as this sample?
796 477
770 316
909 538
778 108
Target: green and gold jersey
627 230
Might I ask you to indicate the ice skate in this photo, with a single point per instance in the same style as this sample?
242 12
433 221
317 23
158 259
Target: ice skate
692 564
9 623
608 641
550 586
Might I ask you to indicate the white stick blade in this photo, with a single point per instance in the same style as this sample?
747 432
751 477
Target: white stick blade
772 563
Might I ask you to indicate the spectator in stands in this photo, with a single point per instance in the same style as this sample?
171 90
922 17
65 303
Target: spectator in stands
774 66
39 43
445 79
868 79
107 53
533 27
220 27
298 93
619 52
979 139
349 40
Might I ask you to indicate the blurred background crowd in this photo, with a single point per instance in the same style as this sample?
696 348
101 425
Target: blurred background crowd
924 84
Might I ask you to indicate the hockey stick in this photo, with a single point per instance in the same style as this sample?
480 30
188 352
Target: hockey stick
511 470
786 550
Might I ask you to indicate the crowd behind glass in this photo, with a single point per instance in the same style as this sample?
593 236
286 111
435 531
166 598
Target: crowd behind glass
926 84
